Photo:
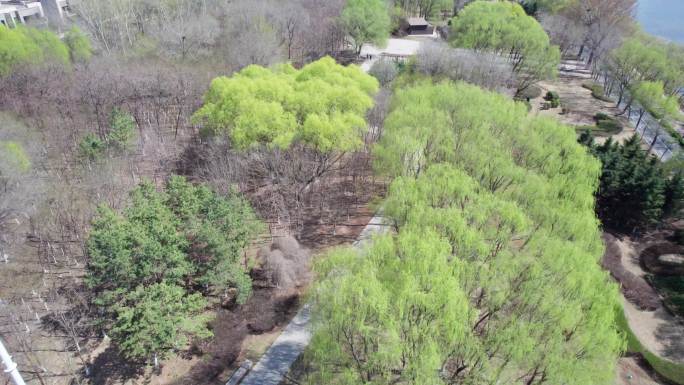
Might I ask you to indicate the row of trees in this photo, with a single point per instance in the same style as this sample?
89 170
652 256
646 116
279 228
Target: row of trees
492 276
237 33
151 264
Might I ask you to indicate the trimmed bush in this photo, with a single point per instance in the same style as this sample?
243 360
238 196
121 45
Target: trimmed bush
597 91
601 116
553 99
609 126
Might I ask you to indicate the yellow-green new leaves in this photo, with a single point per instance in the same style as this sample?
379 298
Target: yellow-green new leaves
323 106
651 96
493 276
24 45
366 21
504 28
13 158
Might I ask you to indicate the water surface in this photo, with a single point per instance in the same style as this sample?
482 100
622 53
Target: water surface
664 18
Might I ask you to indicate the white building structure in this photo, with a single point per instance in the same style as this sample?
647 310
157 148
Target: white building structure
14 12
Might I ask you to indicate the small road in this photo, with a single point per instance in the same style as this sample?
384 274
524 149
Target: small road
276 362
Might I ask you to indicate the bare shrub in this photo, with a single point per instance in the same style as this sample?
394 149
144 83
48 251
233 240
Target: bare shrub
285 263
484 69
384 70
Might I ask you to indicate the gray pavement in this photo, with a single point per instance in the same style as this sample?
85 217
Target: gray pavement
276 362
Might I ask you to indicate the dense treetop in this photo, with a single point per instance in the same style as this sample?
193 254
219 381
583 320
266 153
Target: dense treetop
323 106
493 276
366 21
24 45
636 191
504 27
147 263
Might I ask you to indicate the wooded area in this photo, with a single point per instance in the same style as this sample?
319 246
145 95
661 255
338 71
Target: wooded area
177 177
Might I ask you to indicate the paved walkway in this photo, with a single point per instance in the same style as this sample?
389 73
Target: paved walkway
276 362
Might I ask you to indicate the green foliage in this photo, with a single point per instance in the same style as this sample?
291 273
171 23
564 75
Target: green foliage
80 49
220 229
609 126
632 190
494 269
643 58
651 96
91 148
597 92
601 116
425 8
366 21
24 45
159 248
504 28
13 158
157 319
122 131
322 106
553 99
119 138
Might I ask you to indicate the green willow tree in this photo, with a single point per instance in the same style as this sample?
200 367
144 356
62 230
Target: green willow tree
644 58
80 49
147 262
25 45
322 106
651 98
493 275
366 21
504 28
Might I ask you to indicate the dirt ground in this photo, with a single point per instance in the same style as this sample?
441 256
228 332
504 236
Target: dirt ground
630 371
659 331
580 106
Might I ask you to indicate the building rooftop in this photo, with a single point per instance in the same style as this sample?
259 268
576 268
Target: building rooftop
417 21
6 8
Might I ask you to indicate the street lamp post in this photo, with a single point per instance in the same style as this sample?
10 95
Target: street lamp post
10 366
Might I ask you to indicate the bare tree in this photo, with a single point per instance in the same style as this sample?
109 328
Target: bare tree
484 69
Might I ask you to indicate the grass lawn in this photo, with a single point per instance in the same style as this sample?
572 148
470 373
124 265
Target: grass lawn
672 372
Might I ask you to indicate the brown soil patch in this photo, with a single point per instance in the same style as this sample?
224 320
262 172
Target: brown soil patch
579 105
619 260
632 371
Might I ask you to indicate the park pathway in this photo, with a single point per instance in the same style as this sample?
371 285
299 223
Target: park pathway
276 362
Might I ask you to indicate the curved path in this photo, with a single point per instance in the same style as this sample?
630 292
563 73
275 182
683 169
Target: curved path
658 331
275 363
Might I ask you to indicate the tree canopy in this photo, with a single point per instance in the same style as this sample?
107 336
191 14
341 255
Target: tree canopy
366 21
322 106
25 45
146 262
636 191
80 49
493 275
503 27
644 58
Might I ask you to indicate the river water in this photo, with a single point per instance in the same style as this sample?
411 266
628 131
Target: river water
664 18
